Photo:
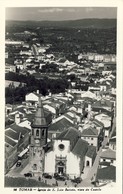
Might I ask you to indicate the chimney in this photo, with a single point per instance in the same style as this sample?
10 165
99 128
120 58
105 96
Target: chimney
37 91
89 107
50 94
17 118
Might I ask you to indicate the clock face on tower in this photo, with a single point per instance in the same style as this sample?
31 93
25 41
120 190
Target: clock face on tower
37 141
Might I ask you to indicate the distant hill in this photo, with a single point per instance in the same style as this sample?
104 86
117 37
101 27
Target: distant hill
82 23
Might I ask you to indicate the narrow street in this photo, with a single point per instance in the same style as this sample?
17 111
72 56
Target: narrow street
17 171
93 170
34 49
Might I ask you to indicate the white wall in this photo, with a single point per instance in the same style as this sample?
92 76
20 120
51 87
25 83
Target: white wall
91 141
108 160
105 119
31 97
112 146
51 109
72 164
26 124
107 133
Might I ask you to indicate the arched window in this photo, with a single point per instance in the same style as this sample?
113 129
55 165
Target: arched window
34 166
32 131
42 133
37 132
87 163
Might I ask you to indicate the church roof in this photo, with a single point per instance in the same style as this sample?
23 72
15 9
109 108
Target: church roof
39 119
91 151
60 125
80 148
70 134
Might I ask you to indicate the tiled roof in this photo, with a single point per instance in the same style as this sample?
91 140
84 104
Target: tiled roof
88 100
20 109
110 63
47 114
12 134
30 117
112 140
94 85
70 134
89 131
108 173
35 94
104 163
80 148
60 125
68 116
103 103
108 154
103 110
10 141
114 132
98 123
12 117
88 93
91 151
18 129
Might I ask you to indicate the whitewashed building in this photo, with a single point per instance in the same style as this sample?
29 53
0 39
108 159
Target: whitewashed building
32 97
67 153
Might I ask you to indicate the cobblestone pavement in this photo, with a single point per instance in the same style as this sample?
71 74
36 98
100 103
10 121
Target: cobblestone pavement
93 170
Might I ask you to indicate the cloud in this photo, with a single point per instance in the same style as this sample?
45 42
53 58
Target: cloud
50 10
54 9
70 10
89 9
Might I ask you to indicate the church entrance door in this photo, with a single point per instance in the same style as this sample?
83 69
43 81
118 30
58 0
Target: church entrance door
60 170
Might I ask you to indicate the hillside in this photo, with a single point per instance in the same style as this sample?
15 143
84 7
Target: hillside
82 23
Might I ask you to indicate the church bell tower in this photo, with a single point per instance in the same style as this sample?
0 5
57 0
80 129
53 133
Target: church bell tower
39 127
38 140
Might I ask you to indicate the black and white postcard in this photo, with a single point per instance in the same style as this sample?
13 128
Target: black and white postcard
62 105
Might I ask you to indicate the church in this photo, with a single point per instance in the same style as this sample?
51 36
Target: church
65 154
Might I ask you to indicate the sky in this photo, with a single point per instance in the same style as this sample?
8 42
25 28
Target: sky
59 13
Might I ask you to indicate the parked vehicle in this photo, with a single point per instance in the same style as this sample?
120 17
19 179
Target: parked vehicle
18 163
23 154
47 176
59 177
77 180
28 174
55 175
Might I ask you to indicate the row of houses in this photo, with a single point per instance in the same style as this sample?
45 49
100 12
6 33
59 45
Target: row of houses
98 57
92 126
